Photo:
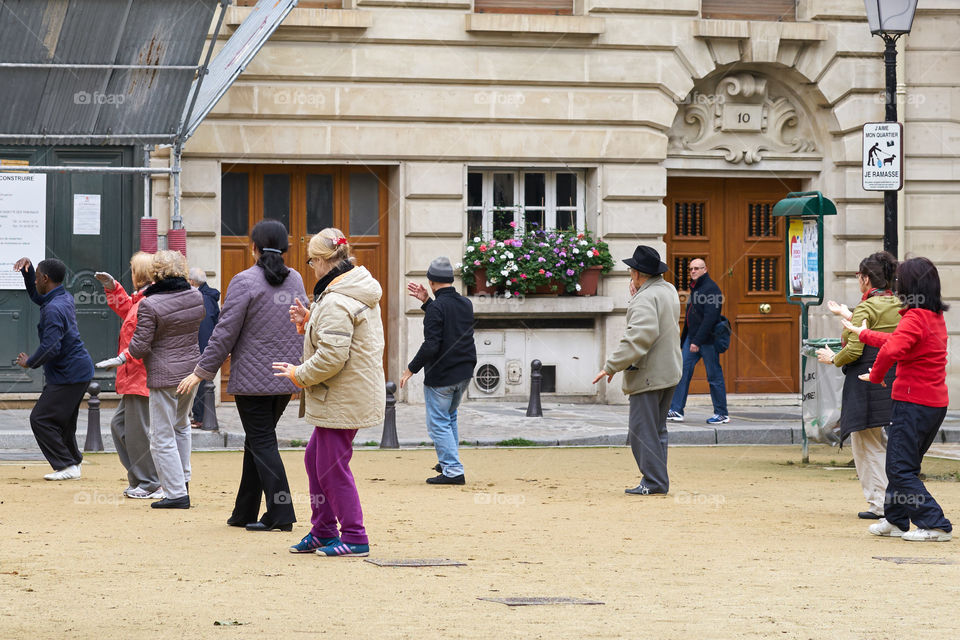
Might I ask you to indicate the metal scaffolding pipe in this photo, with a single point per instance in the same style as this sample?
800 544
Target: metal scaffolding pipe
78 169
106 137
54 65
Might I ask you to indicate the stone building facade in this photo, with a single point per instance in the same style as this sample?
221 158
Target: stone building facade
659 126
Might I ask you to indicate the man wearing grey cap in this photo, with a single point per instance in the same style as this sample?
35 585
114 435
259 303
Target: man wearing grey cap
649 356
448 357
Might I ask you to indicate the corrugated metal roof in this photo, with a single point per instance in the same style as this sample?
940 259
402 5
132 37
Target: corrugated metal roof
144 104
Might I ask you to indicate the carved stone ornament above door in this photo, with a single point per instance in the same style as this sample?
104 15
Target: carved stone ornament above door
744 117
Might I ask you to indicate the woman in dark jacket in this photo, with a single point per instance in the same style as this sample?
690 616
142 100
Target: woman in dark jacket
168 320
254 330
865 407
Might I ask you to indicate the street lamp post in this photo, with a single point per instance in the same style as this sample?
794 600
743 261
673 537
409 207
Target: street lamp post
890 19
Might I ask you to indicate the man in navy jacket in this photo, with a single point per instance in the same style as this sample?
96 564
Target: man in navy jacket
67 367
703 313
448 357
211 298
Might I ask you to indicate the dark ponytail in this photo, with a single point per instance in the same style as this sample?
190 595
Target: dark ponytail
880 269
270 239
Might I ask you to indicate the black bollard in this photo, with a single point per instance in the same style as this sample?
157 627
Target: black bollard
94 441
210 408
534 410
389 438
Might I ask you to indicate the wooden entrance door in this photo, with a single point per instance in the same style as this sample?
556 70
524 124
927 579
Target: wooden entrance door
306 199
727 222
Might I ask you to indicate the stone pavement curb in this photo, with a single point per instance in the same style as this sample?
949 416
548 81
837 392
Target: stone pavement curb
497 424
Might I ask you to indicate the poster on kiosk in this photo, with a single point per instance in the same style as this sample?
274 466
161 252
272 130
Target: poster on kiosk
804 259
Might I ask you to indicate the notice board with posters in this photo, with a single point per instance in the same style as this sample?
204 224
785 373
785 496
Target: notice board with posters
23 223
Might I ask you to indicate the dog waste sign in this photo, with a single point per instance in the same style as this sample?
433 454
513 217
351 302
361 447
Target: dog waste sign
882 156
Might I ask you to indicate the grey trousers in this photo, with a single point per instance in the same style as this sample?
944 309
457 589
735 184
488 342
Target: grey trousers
170 438
647 436
131 435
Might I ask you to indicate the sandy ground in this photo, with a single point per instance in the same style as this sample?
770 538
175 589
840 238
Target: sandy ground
746 546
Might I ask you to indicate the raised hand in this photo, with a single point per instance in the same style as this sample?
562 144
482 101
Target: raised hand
109 284
849 326
418 291
839 309
21 264
298 313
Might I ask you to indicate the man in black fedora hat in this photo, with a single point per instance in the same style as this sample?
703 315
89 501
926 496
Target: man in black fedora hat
649 356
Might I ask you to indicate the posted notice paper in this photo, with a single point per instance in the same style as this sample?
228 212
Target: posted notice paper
23 223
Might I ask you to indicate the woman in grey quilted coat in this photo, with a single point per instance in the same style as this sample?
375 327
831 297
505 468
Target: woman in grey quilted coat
254 330
168 322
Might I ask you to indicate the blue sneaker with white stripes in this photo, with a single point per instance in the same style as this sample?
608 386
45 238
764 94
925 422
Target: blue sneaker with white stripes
311 543
718 419
340 548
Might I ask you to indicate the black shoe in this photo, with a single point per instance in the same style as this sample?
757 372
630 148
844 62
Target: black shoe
237 523
643 490
438 468
172 503
442 479
868 515
259 526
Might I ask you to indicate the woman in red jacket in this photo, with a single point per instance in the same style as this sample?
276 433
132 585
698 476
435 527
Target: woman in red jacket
919 348
131 422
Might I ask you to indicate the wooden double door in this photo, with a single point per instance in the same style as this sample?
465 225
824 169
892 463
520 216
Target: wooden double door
728 223
306 199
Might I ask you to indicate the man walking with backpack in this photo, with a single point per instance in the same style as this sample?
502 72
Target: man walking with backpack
697 340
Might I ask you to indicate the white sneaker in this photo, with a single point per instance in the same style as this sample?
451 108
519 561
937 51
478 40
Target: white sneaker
70 473
156 495
674 416
927 535
137 493
884 528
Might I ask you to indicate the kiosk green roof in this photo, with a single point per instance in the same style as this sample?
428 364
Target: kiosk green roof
805 203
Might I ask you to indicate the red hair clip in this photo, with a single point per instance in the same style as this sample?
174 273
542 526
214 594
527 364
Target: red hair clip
340 241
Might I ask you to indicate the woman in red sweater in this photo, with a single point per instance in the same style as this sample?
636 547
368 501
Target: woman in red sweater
919 348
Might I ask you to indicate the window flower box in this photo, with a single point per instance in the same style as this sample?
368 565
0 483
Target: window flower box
538 262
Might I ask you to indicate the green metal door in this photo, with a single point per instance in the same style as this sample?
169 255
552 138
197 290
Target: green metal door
83 253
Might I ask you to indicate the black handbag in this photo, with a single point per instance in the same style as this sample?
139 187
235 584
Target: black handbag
721 334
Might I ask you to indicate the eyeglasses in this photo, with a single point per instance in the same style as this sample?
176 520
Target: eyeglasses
310 262
696 268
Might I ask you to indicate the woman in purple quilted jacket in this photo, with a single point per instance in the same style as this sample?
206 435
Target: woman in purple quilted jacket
254 330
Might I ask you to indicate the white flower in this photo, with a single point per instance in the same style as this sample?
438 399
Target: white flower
578 287
509 255
459 264
505 272
511 266
575 250
500 244
476 239
506 294
583 243
469 248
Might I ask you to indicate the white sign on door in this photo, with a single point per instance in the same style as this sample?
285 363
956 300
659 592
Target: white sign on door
23 223
882 156
86 214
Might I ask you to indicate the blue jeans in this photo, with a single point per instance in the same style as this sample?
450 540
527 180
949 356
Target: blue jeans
442 403
711 360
